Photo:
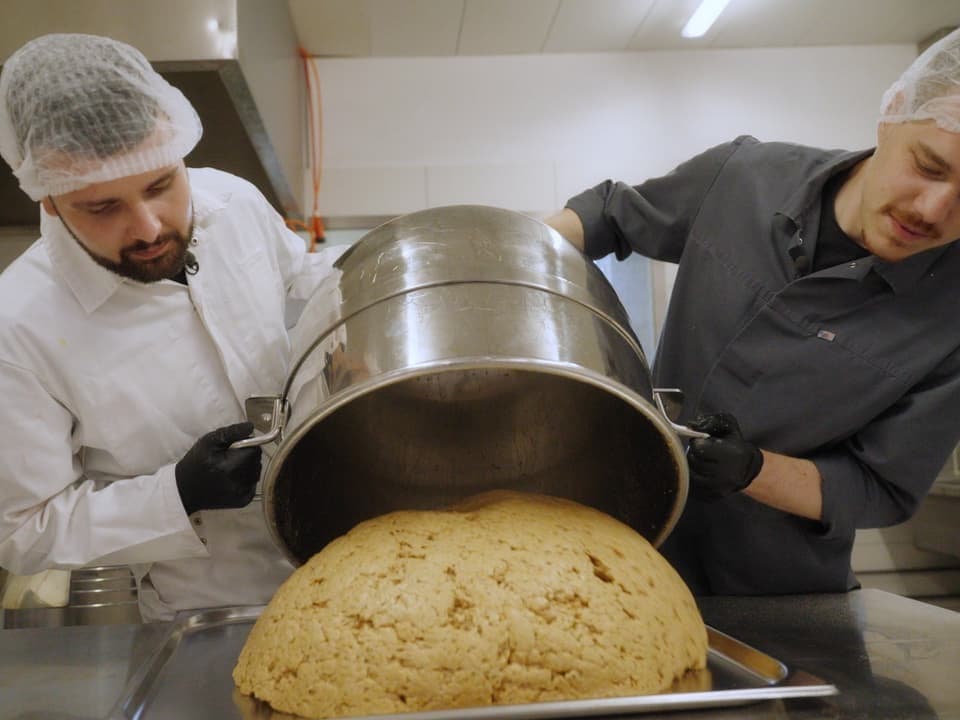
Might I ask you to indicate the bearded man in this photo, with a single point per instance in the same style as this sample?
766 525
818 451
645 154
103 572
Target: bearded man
154 303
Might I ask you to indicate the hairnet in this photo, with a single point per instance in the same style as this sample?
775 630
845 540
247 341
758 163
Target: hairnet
929 89
81 109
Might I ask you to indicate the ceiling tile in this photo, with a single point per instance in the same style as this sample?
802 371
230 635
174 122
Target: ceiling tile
415 27
497 27
596 25
878 22
330 28
503 27
660 30
769 23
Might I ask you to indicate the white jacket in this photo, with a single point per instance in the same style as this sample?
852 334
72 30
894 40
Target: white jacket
106 383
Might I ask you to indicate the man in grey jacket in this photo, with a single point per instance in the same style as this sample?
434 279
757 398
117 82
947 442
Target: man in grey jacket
812 328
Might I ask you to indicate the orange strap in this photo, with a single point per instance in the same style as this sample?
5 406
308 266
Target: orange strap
314 137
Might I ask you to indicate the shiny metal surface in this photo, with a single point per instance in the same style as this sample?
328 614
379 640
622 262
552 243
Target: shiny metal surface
71 673
205 640
660 395
98 596
267 413
890 657
473 348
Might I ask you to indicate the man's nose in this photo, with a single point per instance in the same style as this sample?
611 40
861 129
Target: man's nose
145 224
937 201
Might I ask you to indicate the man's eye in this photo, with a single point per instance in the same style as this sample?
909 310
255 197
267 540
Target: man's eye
927 170
101 209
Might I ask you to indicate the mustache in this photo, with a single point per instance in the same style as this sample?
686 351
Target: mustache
915 222
139 245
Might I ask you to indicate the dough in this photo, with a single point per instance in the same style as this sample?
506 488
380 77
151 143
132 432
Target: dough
506 598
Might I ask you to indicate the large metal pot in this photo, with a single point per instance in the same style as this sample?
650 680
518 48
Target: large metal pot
468 348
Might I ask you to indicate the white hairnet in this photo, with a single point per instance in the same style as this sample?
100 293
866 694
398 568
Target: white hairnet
81 109
929 89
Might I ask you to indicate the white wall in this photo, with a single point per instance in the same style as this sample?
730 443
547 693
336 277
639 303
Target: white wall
528 131
266 47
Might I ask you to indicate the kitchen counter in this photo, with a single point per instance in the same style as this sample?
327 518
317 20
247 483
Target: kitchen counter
889 656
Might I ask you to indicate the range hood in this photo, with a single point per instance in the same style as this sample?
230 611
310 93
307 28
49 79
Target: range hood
236 60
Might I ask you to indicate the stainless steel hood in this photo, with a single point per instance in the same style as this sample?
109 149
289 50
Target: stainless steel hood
236 60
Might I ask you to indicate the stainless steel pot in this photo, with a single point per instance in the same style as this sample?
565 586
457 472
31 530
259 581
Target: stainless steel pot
461 349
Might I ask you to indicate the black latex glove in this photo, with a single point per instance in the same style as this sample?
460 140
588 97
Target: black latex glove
211 476
724 463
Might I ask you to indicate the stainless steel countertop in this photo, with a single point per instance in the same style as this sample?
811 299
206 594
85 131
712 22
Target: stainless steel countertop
890 657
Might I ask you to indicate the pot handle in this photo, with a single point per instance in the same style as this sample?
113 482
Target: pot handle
675 395
268 413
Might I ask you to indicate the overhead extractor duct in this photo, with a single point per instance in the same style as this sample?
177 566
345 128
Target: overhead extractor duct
236 60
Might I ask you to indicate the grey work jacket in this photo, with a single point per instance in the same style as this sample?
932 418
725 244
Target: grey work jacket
854 367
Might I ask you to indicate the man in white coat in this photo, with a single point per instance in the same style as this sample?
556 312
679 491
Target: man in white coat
154 303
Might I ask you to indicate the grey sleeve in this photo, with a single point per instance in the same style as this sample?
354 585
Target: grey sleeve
879 476
654 218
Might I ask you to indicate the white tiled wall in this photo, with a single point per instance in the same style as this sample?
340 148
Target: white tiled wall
381 191
524 187
526 132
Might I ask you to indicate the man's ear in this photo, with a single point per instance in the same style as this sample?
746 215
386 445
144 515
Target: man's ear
49 207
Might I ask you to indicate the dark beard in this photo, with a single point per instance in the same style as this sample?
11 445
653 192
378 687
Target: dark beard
165 267
147 271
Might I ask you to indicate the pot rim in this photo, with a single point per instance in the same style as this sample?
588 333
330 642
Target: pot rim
622 329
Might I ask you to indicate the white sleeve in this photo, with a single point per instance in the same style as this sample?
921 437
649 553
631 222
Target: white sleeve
317 267
53 516
303 272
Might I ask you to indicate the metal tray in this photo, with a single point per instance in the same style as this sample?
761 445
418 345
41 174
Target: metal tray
189 676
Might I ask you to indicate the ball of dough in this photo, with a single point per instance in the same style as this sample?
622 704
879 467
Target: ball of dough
506 598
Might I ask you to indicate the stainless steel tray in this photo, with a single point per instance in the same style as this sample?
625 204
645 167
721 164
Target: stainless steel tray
189 677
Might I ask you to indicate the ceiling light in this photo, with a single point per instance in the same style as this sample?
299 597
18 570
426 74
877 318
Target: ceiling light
703 17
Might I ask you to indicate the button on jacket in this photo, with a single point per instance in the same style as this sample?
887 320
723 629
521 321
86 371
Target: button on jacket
107 382
855 367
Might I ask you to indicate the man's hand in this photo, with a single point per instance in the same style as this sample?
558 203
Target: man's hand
212 476
724 463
